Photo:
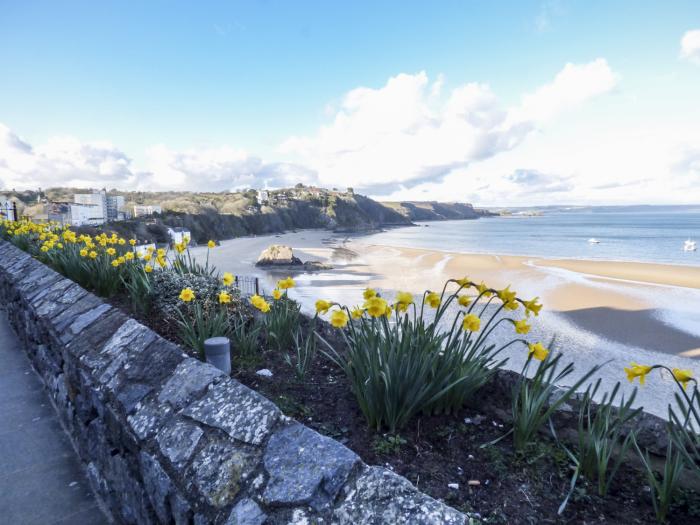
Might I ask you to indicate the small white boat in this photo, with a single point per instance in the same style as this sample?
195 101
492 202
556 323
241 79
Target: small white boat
689 246
593 240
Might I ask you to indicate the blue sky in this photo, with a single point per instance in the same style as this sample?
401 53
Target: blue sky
261 93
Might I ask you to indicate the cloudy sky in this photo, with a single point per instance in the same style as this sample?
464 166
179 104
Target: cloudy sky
496 103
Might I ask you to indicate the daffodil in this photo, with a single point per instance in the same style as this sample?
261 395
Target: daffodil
285 284
132 242
322 306
180 247
92 254
83 252
375 306
637 370
464 281
211 244
471 322
388 311
532 306
129 256
147 257
403 299
432 299
483 289
538 351
464 300
511 305
148 268
115 262
506 295
260 303
227 279
276 294
357 312
682 376
186 295
521 327
338 319
369 293
111 252
122 242
224 298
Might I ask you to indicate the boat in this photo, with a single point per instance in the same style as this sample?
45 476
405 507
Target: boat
593 240
689 246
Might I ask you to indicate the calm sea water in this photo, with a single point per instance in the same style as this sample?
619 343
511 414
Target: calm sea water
647 236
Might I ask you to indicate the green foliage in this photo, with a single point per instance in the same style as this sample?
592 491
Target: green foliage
199 322
305 352
281 322
601 437
388 444
245 338
138 286
398 370
536 399
684 425
664 486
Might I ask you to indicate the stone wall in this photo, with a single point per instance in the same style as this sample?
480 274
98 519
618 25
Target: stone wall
168 439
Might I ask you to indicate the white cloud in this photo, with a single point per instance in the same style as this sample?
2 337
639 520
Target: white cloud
404 133
65 161
690 46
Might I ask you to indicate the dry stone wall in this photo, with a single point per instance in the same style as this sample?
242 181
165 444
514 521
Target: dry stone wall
168 439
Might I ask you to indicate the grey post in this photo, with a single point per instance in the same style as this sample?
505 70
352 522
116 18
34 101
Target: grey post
217 351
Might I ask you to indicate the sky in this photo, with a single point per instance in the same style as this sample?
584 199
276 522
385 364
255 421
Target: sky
495 103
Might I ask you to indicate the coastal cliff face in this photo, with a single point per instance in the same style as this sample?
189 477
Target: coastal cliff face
436 211
226 215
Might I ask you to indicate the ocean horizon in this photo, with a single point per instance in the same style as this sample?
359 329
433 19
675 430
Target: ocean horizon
627 236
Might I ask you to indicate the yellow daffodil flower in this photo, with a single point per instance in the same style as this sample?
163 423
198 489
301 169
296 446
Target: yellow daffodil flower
432 299
115 262
285 284
122 242
148 268
532 307
186 295
132 242
111 252
521 327
322 306
83 252
357 312
227 279
129 256
471 322
637 370
369 293
276 294
682 376
338 319
224 298
538 351
464 281
92 254
506 295
511 305
464 300
403 299
211 244
483 290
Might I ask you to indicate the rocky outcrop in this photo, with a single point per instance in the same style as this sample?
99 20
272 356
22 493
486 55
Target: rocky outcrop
165 438
277 255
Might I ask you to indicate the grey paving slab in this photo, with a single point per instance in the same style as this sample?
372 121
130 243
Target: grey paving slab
41 481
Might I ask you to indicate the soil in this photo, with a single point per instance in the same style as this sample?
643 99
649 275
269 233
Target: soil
493 483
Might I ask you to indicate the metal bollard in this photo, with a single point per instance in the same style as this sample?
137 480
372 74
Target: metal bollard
217 351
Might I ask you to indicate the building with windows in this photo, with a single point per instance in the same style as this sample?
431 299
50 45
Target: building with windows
110 207
70 213
146 210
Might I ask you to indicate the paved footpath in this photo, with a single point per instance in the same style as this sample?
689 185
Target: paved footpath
41 481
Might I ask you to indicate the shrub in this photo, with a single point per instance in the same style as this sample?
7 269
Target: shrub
245 337
305 350
282 321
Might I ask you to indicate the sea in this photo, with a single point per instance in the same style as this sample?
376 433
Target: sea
650 234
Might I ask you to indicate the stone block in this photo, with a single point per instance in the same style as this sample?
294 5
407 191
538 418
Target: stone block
305 467
237 410
178 440
190 379
246 512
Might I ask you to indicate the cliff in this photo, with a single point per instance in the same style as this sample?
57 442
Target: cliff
436 211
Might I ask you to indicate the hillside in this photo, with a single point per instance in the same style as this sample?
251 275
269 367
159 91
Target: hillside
436 211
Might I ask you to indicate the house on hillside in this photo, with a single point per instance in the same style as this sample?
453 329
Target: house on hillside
145 211
74 214
178 234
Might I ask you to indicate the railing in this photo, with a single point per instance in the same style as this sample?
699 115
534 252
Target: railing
247 285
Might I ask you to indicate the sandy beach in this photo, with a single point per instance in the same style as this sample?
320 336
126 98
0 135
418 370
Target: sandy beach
597 310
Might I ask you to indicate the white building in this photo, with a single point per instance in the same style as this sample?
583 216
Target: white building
263 196
146 210
111 207
177 234
74 214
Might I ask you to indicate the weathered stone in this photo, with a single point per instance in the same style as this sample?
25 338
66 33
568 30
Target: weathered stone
277 254
246 512
305 467
178 439
237 410
157 484
43 285
82 321
219 470
379 496
131 395
190 379
59 300
148 418
86 303
94 337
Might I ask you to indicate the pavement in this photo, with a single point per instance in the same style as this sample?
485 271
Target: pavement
41 478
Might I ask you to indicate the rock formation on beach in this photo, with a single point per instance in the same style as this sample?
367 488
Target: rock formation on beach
280 255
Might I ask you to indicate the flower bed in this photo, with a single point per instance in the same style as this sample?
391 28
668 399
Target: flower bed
403 390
